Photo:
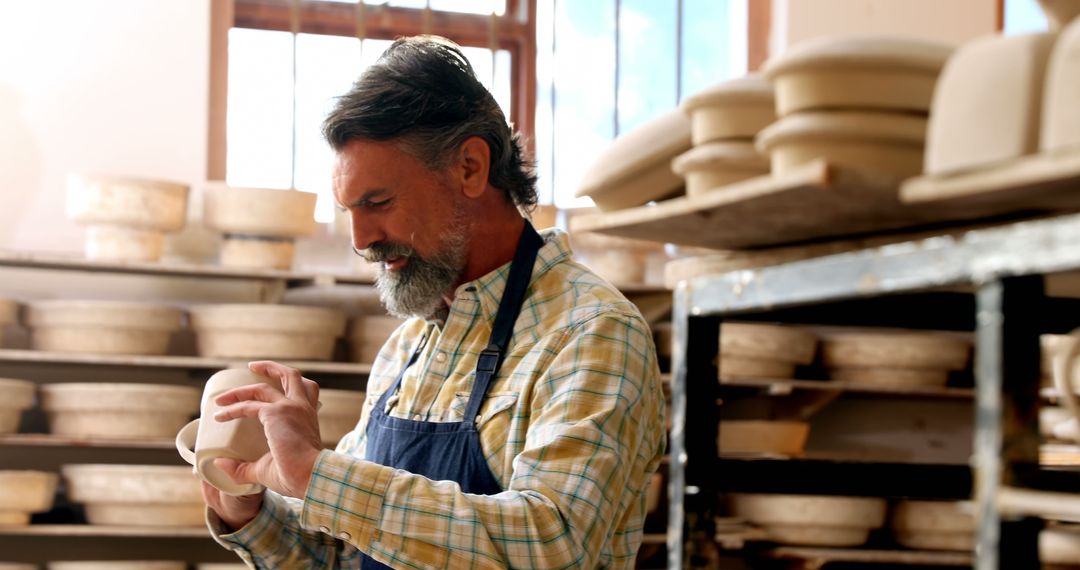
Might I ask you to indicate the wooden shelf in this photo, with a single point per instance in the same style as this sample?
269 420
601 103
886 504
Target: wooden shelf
33 260
1040 182
654 539
175 362
783 387
818 557
815 201
61 530
49 440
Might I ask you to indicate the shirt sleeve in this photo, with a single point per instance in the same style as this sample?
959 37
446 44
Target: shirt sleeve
274 539
596 434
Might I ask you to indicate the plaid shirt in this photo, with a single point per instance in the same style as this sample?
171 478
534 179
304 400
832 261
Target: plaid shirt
572 428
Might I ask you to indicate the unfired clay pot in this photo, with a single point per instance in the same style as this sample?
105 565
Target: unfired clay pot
763 436
126 217
368 334
101 327
934 525
988 103
339 413
812 520
118 410
733 109
18 397
636 167
140 495
711 166
887 349
245 215
1060 124
889 144
118 565
266 331
857 72
23 493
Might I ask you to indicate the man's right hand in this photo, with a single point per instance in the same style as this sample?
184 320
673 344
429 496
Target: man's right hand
234 511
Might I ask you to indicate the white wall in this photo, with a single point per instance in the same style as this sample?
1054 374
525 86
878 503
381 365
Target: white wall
96 86
951 21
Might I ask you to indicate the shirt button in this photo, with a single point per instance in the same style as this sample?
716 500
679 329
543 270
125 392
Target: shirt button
417 417
344 536
324 530
440 357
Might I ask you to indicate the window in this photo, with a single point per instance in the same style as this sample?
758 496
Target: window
1022 16
607 66
281 84
602 67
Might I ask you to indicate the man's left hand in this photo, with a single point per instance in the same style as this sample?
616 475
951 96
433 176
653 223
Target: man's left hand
290 421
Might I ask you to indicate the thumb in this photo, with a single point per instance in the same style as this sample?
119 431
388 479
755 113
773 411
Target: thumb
239 471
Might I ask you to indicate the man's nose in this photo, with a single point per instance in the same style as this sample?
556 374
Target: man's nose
364 232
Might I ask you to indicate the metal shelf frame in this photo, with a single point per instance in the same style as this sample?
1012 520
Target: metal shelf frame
911 284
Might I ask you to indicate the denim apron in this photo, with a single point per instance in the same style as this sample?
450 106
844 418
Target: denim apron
450 451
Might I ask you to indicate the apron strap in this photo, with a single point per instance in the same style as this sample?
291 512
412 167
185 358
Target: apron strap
513 297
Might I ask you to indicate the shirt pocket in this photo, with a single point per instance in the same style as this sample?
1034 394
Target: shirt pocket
495 411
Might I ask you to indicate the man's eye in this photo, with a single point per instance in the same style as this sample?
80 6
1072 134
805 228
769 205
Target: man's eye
378 204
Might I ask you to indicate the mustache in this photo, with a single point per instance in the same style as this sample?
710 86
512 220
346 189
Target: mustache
382 251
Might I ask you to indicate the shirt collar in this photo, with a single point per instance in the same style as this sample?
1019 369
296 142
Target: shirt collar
488 289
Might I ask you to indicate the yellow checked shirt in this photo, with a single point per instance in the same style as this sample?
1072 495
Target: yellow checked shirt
572 428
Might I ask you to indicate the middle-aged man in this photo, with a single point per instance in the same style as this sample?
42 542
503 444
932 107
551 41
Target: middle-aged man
514 420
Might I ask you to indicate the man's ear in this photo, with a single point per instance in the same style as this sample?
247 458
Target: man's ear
474 163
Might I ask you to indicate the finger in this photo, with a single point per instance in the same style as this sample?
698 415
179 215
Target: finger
311 387
240 472
256 392
291 378
248 409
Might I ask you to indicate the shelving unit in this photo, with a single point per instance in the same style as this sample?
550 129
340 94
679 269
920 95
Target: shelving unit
915 284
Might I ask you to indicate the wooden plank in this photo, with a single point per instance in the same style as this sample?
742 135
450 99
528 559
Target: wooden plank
1041 182
176 362
32 260
856 555
60 530
816 201
784 387
50 440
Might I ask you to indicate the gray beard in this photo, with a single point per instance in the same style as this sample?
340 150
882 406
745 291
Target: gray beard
418 288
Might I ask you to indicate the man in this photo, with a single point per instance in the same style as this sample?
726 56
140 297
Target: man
514 421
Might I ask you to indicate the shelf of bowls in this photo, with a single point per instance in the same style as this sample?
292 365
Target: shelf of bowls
127 218
123 565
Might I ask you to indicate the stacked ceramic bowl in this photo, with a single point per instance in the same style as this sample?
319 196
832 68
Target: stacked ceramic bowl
367 335
9 314
763 437
23 493
619 260
859 102
118 565
339 413
810 519
751 350
136 495
1003 97
636 168
113 410
101 327
724 120
1059 547
18 397
260 226
253 331
126 218
894 359
1055 421
934 525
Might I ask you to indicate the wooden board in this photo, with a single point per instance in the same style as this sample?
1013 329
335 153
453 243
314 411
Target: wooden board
175 362
61 530
781 387
816 201
50 440
34 260
1041 182
818 557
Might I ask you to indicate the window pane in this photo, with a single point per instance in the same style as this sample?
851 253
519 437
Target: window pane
464 6
1023 16
259 122
710 37
326 67
543 132
584 76
647 54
